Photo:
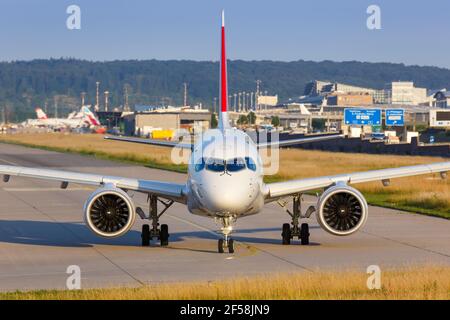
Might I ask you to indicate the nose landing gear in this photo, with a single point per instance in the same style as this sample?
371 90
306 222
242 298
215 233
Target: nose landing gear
226 229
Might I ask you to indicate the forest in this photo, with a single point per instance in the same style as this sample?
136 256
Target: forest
27 84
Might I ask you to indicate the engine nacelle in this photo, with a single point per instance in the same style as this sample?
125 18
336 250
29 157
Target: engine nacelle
342 210
109 212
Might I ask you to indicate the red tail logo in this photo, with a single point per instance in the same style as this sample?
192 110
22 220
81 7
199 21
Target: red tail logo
223 70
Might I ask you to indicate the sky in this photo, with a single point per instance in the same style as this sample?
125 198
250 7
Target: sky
412 32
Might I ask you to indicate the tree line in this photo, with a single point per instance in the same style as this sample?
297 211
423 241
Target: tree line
27 84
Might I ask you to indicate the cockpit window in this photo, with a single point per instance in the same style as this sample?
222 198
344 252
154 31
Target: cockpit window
250 163
216 165
219 165
235 165
199 166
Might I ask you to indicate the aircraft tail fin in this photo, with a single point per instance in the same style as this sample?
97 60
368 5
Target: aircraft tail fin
223 113
41 114
90 117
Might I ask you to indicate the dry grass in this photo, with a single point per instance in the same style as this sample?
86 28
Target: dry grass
413 283
94 144
423 194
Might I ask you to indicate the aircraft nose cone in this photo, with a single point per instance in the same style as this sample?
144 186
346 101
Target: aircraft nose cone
223 199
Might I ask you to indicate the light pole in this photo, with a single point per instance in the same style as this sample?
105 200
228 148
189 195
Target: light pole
265 103
83 96
258 83
126 106
55 98
97 99
185 94
106 100
249 107
239 102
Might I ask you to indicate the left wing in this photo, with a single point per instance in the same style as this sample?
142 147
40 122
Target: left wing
278 190
155 142
174 191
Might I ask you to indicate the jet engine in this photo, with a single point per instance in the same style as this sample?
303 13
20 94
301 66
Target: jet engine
109 212
341 210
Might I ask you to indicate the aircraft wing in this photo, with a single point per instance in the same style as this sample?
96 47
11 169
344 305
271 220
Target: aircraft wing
285 143
174 191
278 190
162 143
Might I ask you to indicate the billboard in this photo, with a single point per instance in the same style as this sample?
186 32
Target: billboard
395 117
354 116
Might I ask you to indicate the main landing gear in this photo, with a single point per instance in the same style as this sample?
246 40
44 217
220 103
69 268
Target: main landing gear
289 231
226 229
155 232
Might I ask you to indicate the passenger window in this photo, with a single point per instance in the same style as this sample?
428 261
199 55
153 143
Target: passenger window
235 165
199 166
250 163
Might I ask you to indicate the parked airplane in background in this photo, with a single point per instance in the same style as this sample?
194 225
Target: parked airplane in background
83 118
224 182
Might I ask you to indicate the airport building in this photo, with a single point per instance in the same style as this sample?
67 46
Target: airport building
350 99
404 92
267 101
141 123
395 93
442 99
317 87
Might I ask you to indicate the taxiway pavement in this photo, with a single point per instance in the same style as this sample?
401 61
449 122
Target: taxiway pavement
42 234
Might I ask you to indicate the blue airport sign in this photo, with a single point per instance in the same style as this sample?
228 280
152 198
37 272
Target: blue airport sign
371 117
395 117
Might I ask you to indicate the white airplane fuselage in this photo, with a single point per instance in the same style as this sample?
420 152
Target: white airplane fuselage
225 175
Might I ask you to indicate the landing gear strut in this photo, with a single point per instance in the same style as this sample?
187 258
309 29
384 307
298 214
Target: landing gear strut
160 233
226 229
289 231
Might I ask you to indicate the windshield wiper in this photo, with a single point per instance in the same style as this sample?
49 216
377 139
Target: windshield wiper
225 170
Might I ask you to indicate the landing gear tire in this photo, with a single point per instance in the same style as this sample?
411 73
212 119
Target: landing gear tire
220 245
304 234
145 235
286 234
164 235
231 246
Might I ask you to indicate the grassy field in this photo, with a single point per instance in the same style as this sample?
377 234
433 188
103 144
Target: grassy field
423 194
430 282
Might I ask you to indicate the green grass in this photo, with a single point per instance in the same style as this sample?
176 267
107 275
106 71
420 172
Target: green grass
429 207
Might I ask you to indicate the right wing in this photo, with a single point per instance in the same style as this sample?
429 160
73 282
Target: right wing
162 143
169 190
281 189
291 142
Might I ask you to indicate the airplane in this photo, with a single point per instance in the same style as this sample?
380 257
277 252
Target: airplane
84 117
224 182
